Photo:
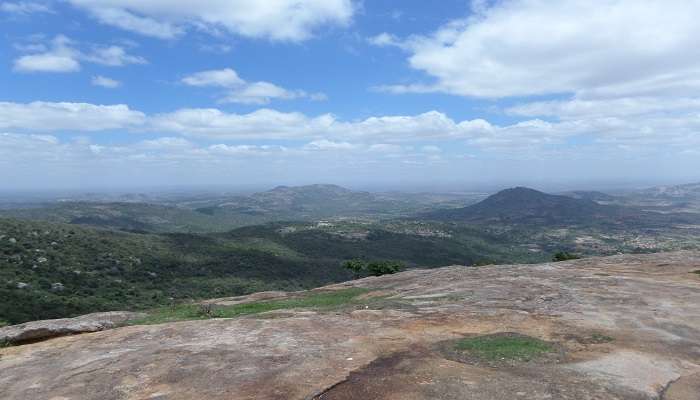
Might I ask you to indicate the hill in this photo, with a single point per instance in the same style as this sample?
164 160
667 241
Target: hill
689 191
132 217
524 205
598 197
51 270
218 213
624 328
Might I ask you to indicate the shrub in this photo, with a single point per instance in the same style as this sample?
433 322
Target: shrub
378 268
373 268
564 256
356 266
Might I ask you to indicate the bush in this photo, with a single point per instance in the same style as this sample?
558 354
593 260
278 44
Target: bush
373 268
356 266
564 256
378 268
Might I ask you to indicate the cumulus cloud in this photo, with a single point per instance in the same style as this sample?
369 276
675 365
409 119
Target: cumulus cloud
46 116
675 128
532 47
263 123
105 82
226 78
62 55
240 91
329 145
286 20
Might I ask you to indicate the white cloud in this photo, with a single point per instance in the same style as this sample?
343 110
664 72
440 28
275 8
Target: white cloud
263 123
240 91
45 116
62 55
126 20
24 7
105 82
534 47
675 128
287 20
626 106
112 56
261 93
385 39
328 145
226 78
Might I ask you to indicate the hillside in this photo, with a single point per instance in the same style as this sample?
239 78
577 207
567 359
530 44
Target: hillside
219 213
618 328
50 270
520 205
133 217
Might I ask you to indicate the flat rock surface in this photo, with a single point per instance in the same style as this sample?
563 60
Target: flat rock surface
41 330
625 327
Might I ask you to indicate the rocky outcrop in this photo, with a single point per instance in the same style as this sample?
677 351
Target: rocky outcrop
622 327
42 330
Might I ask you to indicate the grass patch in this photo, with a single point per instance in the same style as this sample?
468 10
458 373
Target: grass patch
601 338
311 300
504 347
697 272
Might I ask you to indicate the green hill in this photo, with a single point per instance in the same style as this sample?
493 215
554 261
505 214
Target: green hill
50 270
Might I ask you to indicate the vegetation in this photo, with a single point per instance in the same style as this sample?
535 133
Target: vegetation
373 268
601 338
54 269
315 300
504 347
564 256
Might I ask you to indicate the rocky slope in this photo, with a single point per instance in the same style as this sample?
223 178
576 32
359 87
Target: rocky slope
622 327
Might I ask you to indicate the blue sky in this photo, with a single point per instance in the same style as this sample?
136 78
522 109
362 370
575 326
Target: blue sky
118 93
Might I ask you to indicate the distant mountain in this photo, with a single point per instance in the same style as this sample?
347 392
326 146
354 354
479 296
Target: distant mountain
522 204
323 201
689 191
216 213
134 217
598 197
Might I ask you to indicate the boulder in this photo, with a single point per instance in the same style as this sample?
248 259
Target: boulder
41 330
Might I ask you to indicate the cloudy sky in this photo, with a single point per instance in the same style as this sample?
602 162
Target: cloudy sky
97 93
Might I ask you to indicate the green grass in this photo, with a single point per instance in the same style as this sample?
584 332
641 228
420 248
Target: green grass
504 347
312 300
697 272
601 338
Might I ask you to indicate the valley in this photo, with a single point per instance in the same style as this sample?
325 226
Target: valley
68 258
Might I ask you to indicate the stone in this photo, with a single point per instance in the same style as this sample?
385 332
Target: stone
23 285
398 342
41 330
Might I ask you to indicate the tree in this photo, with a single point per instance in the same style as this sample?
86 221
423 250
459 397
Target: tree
356 266
564 256
378 268
373 268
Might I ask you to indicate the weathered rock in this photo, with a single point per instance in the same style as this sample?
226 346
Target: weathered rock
40 330
626 328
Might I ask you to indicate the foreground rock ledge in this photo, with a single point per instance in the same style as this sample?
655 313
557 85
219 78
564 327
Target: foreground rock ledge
647 307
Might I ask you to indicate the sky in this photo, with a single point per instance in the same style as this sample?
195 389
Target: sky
149 93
